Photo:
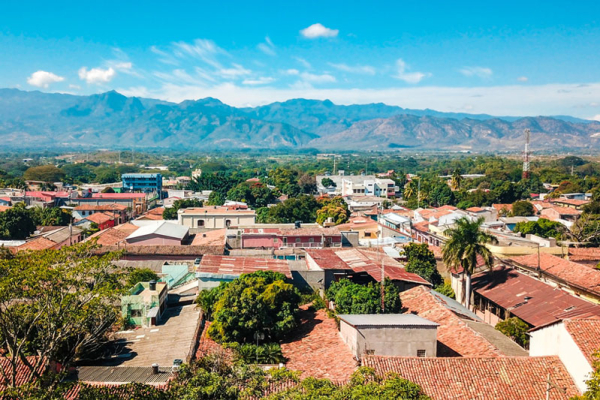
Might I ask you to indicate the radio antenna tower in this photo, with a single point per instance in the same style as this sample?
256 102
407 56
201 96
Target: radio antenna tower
526 154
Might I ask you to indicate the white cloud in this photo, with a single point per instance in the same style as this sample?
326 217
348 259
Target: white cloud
522 79
291 71
268 47
317 30
304 63
43 79
408 77
235 72
313 78
260 81
76 87
97 75
165 57
595 117
355 69
481 72
122 66
201 49
517 100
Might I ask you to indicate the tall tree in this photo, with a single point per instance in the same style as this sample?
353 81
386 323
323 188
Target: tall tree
16 222
456 179
55 304
466 243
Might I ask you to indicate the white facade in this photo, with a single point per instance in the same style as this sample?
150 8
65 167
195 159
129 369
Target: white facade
555 340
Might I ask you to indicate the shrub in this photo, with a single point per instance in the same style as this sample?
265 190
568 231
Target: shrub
516 329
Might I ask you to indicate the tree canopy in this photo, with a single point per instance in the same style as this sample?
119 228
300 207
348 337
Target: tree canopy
353 298
421 261
522 209
45 173
16 223
257 303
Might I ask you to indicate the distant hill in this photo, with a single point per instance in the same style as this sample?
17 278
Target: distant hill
111 120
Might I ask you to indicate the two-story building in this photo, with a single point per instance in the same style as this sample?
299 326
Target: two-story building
215 217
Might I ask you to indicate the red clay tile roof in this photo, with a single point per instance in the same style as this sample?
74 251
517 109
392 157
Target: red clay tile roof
506 378
570 272
210 238
207 346
40 243
24 374
218 264
572 202
106 207
455 337
316 348
118 195
100 218
585 334
365 261
563 210
584 254
475 209
508 289
115 235
500 207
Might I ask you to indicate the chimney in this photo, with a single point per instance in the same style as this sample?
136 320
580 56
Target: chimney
155 369
297 224
152 285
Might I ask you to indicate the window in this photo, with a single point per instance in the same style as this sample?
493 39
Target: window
297 240
227 223
200 223
275 240
369 352
368 234
311 240
136 313
421 353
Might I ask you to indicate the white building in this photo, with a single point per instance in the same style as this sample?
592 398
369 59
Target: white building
574 341
406 335
215 217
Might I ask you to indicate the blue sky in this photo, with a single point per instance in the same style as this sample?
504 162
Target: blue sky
511 58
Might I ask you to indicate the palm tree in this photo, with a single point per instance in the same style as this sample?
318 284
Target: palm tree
465 244
456 179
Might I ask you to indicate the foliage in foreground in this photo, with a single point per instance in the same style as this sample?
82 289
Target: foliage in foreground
57 305
593 384
211 378
352 298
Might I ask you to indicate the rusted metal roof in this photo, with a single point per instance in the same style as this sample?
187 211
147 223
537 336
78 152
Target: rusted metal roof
217 264
525 297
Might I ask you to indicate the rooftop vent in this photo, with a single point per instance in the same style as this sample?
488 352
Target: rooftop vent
152 285
155 369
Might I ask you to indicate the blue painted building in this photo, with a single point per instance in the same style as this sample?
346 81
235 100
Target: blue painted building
146 183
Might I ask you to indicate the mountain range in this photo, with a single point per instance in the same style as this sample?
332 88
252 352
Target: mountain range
111 120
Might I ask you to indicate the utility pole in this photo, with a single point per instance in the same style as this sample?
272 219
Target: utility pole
526 154
334 160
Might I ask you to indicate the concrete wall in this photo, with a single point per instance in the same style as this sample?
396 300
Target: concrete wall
154 241
555 340
215 221
309 279
389 341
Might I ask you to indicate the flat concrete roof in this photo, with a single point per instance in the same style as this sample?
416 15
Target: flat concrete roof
159 344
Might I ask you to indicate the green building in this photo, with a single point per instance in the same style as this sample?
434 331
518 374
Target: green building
144 304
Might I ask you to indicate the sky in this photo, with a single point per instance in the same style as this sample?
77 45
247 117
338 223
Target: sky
503 58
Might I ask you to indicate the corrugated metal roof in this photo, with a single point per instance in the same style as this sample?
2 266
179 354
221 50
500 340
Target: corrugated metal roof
228 265
406 320
529 299
123 374
162 228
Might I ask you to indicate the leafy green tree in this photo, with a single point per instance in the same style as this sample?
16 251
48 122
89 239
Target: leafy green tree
522 209
446 290
45 173
302 208
335 208
249 353
466 242
216 199
78 173
261 302
352 298
516 329
217 182
255 194
441 195
53 216
56 304
137 275
16 223
108 190
328 182
207 299
421 261
107 175
542 227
